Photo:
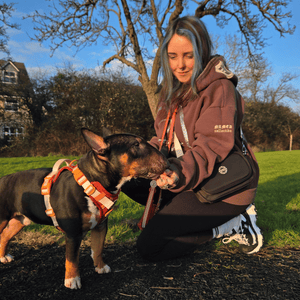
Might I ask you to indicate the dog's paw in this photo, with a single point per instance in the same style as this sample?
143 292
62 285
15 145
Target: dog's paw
73 283
6 259
104 270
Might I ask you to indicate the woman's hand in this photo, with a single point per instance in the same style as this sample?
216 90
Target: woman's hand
168 179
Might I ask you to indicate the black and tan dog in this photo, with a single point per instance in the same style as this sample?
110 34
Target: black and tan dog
112 161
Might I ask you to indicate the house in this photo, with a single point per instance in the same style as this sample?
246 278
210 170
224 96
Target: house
13 77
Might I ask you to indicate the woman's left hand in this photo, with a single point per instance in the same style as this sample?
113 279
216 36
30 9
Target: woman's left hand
168 179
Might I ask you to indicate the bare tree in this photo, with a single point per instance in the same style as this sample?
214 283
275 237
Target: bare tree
252 74
128 25
256 77
291 128
258 85
283 91
5 13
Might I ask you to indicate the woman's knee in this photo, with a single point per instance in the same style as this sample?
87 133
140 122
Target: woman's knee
149 248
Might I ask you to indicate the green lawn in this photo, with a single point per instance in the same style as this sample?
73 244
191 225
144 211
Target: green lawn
277 201
126 209
15 164
278 197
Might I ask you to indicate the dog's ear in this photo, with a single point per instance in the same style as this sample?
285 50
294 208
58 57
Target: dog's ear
95 141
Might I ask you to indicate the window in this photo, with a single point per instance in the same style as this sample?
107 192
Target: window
11 132
11 105
9 77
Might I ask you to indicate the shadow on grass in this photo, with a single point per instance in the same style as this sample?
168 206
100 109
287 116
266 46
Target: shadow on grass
278 205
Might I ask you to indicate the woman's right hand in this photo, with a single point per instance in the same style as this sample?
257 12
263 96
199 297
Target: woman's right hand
168 179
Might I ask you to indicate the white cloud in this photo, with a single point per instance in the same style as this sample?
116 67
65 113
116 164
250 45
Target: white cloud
40 72
27 48
34 47
18 14
13 32
102 51
117 66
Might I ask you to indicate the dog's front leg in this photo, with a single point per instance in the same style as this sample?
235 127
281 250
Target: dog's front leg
98 235
72 277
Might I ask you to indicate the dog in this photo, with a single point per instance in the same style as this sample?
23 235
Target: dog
112 161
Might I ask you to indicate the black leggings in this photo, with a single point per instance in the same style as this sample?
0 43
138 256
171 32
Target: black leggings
182 223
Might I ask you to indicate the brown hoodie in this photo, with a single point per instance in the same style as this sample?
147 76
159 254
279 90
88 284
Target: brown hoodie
208 128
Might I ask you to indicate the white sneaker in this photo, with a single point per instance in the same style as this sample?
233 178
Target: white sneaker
227 228
248 234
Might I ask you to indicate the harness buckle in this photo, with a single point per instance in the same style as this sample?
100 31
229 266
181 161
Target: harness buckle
50 212
79 176
46 187
90 190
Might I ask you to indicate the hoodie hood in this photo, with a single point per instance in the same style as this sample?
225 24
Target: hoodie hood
216 69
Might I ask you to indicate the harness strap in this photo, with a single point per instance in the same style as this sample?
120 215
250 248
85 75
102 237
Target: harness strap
46 188
103 199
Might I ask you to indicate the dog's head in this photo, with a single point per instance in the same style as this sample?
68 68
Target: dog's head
129 153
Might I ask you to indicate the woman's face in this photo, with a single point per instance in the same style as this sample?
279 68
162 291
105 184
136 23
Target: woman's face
181 57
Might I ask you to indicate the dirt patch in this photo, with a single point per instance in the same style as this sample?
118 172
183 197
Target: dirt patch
38 273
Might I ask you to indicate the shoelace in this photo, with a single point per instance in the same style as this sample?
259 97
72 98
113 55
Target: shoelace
240 238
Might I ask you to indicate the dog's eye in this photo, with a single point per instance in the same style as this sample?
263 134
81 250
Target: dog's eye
135 148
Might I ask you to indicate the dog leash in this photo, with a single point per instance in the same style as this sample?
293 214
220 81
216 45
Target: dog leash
103 199
151 208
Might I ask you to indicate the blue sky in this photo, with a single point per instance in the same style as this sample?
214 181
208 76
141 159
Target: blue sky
282 52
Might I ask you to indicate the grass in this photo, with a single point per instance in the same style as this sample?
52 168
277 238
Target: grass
277 201
278 197
15 164
119 219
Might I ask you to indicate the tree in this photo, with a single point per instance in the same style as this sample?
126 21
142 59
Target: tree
60 105
267 120
128 25
255 77
270 126
252 75
96 100
284 90
5 13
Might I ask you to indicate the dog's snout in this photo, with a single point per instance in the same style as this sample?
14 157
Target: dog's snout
158 163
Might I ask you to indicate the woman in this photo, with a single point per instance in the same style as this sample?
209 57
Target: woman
208 114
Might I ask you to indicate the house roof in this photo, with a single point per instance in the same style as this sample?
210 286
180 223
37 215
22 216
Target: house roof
20 67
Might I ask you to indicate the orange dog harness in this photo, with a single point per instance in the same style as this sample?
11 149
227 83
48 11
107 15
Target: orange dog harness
97 193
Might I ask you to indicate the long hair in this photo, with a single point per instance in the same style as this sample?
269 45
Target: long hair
193 29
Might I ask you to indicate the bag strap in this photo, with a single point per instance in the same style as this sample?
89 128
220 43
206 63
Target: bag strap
177 146
244 141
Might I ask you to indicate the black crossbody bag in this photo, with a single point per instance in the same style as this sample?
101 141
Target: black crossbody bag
229 177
